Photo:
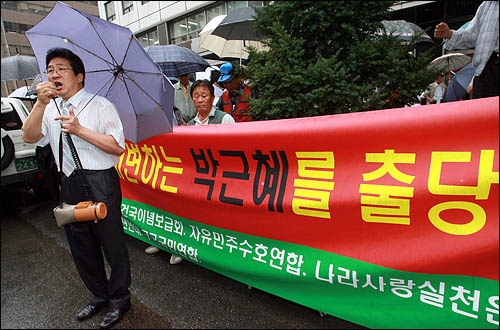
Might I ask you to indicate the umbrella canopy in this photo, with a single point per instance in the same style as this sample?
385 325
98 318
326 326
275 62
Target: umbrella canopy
175 61
459 83
404 30
223 47
19 67
116 67
238 25
450 62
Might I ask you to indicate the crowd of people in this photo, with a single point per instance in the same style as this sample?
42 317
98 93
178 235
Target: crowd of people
222 99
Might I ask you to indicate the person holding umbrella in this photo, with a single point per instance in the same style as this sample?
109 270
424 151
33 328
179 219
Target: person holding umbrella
435 91
99 140
482 35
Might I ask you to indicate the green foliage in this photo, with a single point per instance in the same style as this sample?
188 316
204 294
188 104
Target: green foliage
327 58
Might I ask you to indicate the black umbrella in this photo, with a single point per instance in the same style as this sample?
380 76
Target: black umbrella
175 61
19 67
238 25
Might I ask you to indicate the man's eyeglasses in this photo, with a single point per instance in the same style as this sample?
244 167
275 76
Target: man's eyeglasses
59 70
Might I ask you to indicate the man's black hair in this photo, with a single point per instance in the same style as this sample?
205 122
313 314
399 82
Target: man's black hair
202 83
75 62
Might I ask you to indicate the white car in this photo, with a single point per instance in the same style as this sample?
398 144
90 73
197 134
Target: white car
18 163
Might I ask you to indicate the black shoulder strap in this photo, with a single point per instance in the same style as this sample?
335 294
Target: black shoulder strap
87 190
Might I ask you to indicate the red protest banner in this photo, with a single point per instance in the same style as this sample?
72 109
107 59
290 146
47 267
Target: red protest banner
412 189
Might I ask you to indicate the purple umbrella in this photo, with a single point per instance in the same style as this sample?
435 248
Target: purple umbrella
116 67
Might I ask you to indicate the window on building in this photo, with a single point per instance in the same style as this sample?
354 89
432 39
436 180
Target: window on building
144 2
16 27
37 9
149 38
179 30
232 5
215 11
12 5
195 23
188 27
127 6
109 7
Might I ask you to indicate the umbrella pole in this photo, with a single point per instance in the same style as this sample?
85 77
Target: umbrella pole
449 70
241 52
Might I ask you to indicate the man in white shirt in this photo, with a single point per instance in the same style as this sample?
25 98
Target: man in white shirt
202 93
482 35
435 91
94 124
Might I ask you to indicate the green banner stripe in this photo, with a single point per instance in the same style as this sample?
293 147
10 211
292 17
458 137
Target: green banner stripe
325 281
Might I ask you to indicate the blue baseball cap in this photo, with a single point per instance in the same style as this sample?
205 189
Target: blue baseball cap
226 73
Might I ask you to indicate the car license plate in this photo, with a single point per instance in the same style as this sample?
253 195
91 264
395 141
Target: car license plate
25 164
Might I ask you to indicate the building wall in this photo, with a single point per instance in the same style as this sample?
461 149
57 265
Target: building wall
152 13
156 17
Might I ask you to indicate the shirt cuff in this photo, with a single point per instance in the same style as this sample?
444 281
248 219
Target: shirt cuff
450 42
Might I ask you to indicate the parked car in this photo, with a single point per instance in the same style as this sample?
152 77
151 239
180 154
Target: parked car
18 163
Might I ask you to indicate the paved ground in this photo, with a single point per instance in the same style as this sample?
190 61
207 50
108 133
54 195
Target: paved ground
41 288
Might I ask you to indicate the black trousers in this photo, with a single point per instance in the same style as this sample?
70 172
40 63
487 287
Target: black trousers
86 239
486 84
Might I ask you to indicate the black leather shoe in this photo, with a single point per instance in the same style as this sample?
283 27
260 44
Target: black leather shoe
114 316
90 310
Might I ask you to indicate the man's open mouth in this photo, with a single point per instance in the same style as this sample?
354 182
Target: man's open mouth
58 84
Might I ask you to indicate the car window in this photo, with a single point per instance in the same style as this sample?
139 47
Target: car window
10 120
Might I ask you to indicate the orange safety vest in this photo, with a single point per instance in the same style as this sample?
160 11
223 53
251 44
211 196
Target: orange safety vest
240 112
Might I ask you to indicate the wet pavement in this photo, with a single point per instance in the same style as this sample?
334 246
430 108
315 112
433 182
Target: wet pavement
42 289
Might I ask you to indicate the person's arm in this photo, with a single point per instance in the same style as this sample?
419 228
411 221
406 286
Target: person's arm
461 39
105 142
32 128
429 93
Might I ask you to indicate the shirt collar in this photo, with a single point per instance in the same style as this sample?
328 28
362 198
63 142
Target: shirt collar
76 100
211 114
178 85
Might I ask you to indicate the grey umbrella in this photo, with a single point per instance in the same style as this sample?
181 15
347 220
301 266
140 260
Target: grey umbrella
175 61
238 25
19 67
404 30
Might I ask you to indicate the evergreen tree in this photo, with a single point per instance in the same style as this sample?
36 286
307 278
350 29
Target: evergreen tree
326 57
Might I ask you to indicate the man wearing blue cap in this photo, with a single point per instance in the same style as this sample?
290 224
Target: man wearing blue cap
234 100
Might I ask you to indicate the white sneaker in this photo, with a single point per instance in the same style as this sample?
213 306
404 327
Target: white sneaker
151 249
175 260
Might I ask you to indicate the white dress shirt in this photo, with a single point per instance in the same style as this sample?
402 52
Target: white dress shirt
481 34
94 112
